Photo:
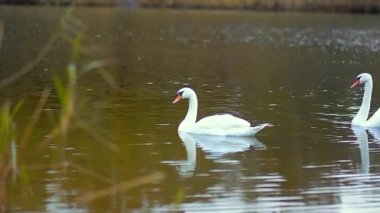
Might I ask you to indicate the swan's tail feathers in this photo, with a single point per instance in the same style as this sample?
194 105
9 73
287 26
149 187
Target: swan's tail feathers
258 128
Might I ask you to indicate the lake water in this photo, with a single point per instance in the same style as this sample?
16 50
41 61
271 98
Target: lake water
293 70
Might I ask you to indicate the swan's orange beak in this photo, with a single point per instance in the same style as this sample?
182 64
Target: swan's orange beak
177 98
356 82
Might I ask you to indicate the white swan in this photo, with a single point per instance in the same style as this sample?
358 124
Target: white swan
360 118
221 125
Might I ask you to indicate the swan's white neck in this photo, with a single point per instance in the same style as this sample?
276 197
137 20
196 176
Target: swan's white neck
191 116
362 115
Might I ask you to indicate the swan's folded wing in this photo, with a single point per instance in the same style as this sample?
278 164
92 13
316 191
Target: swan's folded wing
223 121
374 121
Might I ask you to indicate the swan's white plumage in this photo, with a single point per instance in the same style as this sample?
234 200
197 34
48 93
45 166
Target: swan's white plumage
222 121
374 121
221 125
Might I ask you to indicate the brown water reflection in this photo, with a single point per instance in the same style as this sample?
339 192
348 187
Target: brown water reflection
292 70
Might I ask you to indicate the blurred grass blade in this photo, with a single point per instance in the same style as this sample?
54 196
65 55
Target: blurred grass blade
16 108
96 134
110 80
6 128
13 152
89 172
123 186
41 54
59 88
34 118
71 73
97 64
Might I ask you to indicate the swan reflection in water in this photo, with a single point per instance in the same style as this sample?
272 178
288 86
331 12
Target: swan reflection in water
214 147
187 168
362 139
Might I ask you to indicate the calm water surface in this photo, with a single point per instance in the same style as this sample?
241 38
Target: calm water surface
292 70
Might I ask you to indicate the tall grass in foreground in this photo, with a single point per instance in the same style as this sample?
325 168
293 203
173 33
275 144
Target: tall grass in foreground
7 154
14 142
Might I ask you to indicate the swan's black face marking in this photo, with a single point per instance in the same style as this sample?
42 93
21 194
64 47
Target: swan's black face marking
356 82
178 97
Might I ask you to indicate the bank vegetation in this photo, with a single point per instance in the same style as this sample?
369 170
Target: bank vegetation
349 6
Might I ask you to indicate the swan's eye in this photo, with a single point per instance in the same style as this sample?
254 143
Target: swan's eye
358 78
180 93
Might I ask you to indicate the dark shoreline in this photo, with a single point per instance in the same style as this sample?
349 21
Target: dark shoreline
331 6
